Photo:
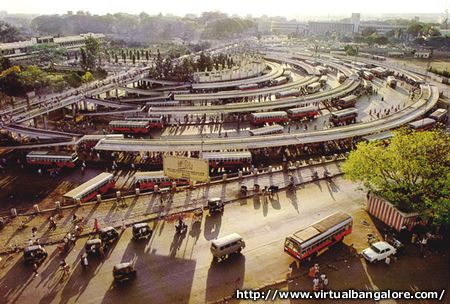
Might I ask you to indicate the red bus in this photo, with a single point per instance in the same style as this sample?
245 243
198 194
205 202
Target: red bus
367 75
129 126
148 180
346 102
269 117
316 238
152 122
308 112
228 159
88 190
344 116
49 158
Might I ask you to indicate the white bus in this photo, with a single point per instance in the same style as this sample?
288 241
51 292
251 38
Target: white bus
340 77
313 87
88 190
392 82
267 130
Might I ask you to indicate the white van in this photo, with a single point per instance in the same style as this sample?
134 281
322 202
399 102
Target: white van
223 247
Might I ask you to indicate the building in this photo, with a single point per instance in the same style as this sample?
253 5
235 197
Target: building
23 49
422 54
381 28
288 27
320 28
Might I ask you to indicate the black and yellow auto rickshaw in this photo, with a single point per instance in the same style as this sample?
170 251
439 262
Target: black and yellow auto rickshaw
94 247
125 271
108 235
142 231
215 205
34 254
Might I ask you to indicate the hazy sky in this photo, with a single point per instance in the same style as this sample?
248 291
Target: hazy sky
286 8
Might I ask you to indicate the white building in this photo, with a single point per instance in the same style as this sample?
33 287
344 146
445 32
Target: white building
22 49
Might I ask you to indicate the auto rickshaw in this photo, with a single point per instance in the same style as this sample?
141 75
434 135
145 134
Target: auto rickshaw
34 254
215 205
125 271
108 235
93 246
198 215
142 231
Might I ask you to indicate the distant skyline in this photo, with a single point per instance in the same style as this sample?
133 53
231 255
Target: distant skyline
287 8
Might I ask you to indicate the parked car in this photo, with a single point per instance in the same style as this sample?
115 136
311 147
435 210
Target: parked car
378 251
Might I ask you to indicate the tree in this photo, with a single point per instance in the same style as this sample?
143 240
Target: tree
368 31
414 29
33 78
8 33
412 172
147 57
134 59
116 60
350 50
48 53
73 79
92 51
87 77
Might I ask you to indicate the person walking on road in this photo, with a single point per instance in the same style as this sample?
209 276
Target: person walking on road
35 268
96 226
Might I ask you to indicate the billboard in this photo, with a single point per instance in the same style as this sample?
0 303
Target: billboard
192 169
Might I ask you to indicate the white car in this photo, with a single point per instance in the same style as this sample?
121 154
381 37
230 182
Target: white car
378 251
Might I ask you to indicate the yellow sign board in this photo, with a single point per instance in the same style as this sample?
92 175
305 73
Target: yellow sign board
192 169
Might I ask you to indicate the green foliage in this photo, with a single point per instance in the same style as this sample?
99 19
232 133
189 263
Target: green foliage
90 53
228 27
8 33
48 53
440 72
33 78
412 172
73 79
87 77
350 50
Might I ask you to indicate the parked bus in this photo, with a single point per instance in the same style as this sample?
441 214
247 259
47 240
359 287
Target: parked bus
367 75
249 86
152 122
392 82
344 116
379 72
309 112
440 115
313 87
340 77
278 81
268 117
91 140
88 190
323 80
322 70
422 124
318 237
267 130
228 159
129 126
346 102
50 158
148 180
367 86
383 136
292 92
169 103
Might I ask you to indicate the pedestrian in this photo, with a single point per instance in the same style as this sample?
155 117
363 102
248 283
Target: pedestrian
316 269
84 260
387 261
316 283
35 268
96 226
33 231
325 283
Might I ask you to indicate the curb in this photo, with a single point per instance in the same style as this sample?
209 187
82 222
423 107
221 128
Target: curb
154 216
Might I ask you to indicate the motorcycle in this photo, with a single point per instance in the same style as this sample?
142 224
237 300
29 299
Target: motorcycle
181 228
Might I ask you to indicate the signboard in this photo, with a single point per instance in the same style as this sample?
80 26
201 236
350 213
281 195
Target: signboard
192 169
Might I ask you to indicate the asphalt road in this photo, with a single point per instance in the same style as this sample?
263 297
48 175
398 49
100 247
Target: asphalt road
180 270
